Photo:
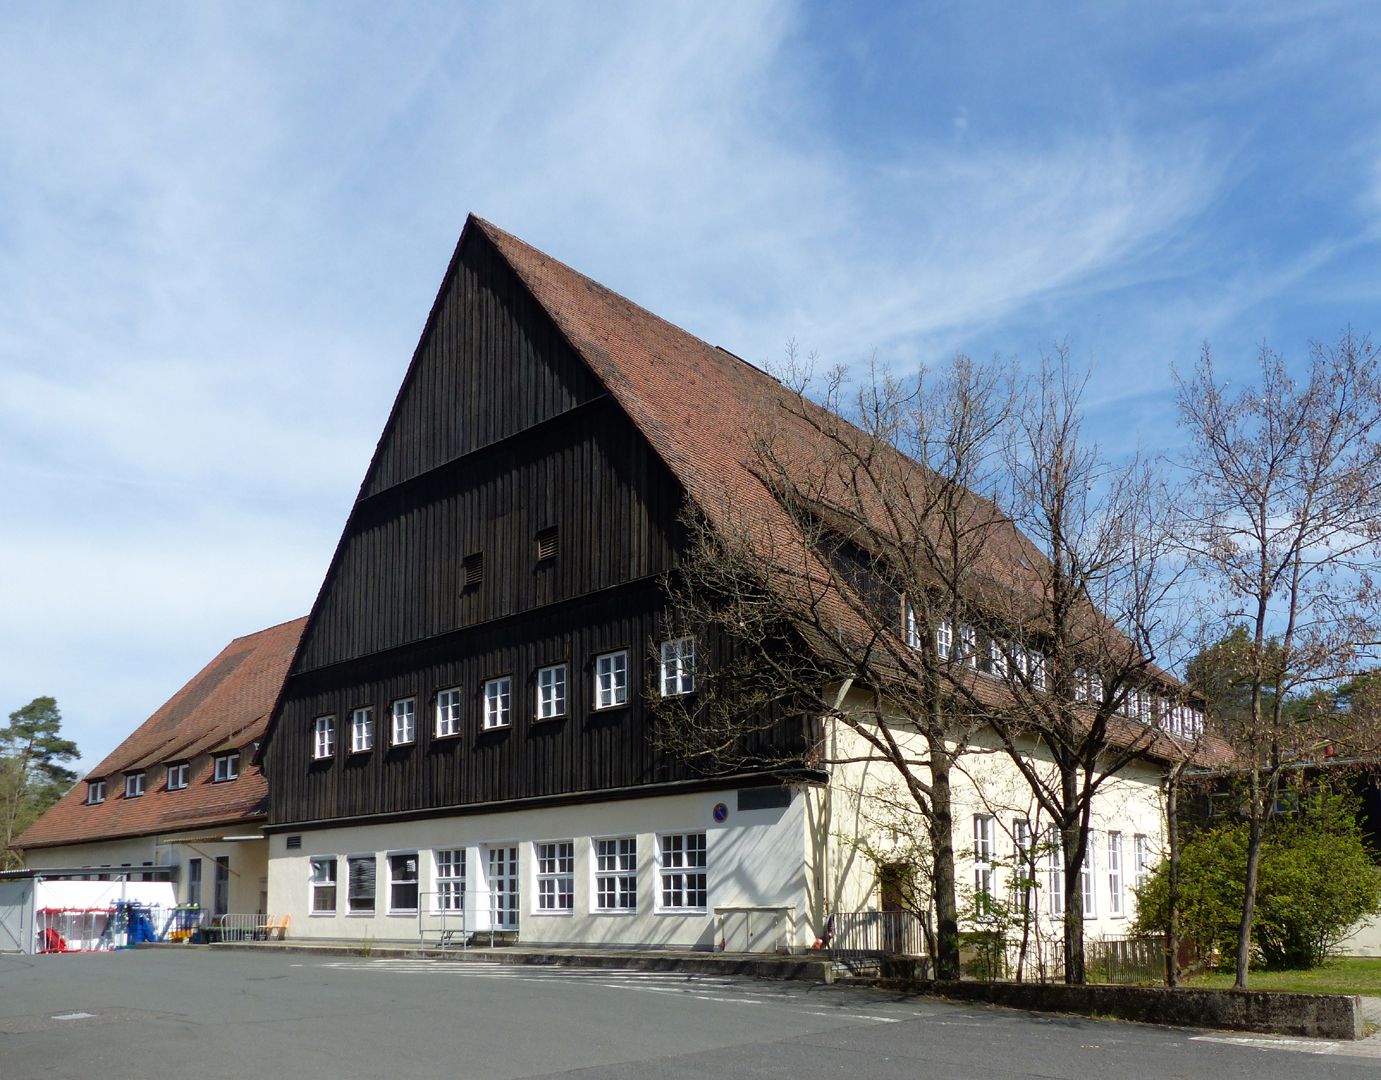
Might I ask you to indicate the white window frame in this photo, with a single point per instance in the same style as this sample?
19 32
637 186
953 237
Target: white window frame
179 776
611 679
95 792
324 737
1088 880
403 727
1141 860
1081 685
677 673
318 885
1116 908
554 863
450 865
911 629
1036 659
553 691
683 872
226 767
498 703
616 875
393 881
350 860
984 845
997 658
448 712
362 729
134 784
968 645
1055 870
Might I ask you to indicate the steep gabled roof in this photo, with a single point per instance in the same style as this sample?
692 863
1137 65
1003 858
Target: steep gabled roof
225 706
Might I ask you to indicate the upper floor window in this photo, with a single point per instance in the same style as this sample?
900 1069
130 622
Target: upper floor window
178 775
498 703
448 712
324 737
944 639
911 627
134 785
968 645
95 791
611 679
227 767
678 667
404 721
997 657
551 692
362 730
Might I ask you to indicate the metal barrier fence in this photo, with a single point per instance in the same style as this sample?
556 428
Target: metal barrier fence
860 939
1125 959
115 926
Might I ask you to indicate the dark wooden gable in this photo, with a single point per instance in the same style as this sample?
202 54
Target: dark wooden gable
502 444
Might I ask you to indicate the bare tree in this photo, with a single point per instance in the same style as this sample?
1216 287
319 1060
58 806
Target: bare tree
1078 640
822 614
1285 529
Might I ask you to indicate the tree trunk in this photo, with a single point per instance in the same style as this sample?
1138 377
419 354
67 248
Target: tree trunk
1172 904
1073 840
1244 931
942 850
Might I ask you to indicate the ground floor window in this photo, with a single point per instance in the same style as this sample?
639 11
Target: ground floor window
360 883
556 876
323 884
402 882
450 879
682 860
616 874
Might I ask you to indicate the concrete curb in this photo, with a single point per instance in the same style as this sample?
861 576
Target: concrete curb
758 967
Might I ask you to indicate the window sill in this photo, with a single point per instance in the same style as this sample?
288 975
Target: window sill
557 913
550 719
610 708
446 735
621 913
361 750
361 914
322 914
682 911
403 913
490 728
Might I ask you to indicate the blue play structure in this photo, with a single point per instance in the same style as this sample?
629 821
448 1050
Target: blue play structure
133 920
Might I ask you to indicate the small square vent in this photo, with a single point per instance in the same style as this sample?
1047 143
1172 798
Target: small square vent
547 544
293 842
472 570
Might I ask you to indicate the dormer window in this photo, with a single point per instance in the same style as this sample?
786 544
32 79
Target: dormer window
178 776
134 784
227 767
95 791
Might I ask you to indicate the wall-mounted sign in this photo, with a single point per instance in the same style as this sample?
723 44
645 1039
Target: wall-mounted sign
721 813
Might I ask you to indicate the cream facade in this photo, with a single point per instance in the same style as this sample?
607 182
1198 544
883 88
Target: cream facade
548 874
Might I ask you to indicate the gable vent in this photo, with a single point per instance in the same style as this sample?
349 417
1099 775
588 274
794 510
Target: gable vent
547 544
294 842
472 570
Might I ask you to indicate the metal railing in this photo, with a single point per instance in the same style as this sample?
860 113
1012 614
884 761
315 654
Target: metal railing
1125 959
238 927
442 926
861 939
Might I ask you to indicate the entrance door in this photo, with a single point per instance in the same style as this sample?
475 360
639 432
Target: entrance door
221 900
503 888
194 881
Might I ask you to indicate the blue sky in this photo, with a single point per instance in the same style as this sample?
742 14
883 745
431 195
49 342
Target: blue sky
221 227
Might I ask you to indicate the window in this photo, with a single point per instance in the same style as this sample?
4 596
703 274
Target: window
1024 842
968 645
360 883
944 639
910 626
1055 871
177 776
194 882
551 692
1037 668
1115 875
556 876
678 667
997 657
611 680
547 544
1080 684
984 837
323 885
324 740
227 767
682 860
448 712
404 721
616 874
1088 885
134 785
362 730
498 703
95 791
1143 706
402 881
1141 861
450 879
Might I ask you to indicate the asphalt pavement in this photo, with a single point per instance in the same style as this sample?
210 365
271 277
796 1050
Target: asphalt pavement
197 1013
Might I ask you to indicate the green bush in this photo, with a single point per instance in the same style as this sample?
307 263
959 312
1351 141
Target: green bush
1316 880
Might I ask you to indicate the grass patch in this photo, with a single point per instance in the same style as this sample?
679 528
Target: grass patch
1345 975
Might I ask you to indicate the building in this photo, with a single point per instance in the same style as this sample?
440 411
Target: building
463 738
179 802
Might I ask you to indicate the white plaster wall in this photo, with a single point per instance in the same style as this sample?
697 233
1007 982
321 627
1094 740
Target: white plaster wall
755 859
868 809
1365 939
